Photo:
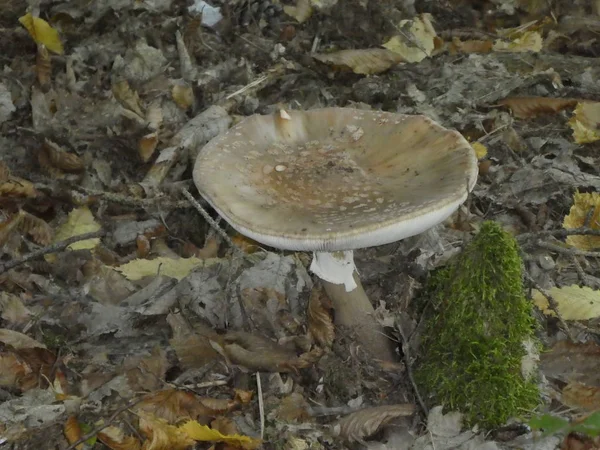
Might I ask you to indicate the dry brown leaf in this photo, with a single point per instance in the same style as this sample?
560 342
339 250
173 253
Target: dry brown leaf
161 435
12 309
217 406
147 373
578 441
293 408
579 395
61 159
224 426
127 97
361 424
147 146
17 187
470 46
528 107
173 405
301 12
8 226
115 439
72 431
37 228
41 362
43 67
365 62
246 244
18 340
242 396
584 212
12 370
320 323
193 347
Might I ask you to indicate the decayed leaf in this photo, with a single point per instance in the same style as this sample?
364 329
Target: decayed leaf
127 97
242 396
37 228
417 41
80 221
193 347
246 244
17 187
147 372
72 431
115 439
43 67
584 212
293 408
42 32
203 433
301 12
579 395
585 122
530 41
183 95
161 435
364 62
12 369
61 159
361 424
12 309
574 302
528 107
173 405
171 267
320 324
18 340
471 46
8 226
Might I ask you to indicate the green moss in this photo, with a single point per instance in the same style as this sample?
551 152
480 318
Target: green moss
472 343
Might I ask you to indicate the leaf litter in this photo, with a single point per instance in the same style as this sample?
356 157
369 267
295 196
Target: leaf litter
155 334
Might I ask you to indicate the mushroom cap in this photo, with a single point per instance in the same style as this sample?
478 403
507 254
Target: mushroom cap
335 178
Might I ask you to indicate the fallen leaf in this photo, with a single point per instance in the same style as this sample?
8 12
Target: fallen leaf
320 323
183 95
42 33
127 97
161 435
585 122
579 395
18 340
470 46
61 159
37 228
528 107
574 302
530 41
114 438
147 372
73 432
12 309
293 408
203 433
364 62
17 187
173 405
480 149
147 146
12 369
301 12
80 221
417 40
361 424
585 211
171 267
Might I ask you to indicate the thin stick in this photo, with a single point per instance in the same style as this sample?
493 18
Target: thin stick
106 424
211 221
560 233
261 406
408 364
567 251
59 246
552 303
248 86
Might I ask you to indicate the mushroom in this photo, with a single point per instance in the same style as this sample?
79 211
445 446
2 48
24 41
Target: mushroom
333 180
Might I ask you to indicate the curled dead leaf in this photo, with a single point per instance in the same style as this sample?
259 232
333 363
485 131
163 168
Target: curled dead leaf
147 146
72 431
365 62
161 435
17 187
8 226
12 309
361 424
37 228
174 405
127 97
320 323
528 107
114 438
61 159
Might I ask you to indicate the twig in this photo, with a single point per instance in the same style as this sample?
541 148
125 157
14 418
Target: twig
59 246
560 233
567 251
261 406
248 86
106 424
211 221
408 364
552 303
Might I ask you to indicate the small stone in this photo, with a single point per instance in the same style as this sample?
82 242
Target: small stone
546 262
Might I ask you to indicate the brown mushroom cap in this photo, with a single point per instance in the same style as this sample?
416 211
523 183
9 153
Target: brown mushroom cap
335 178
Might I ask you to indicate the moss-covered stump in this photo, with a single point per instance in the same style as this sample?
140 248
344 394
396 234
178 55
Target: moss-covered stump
473 340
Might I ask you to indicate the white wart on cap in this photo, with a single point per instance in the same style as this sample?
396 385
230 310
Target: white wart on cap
335 178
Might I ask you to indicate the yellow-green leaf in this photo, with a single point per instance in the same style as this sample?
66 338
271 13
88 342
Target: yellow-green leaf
574 302
176 268
80 221
205 434
42 33
584 212
585 122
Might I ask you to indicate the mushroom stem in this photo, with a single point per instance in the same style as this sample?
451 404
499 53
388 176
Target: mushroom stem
354 310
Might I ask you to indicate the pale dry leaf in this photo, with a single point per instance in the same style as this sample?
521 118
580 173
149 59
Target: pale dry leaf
183 95
203 433
417 40
361 424
154 115
574 302
114 438
365 62
12 369
8 226
530 41
37 228
12 309
293 408
18 340
176 268
470 46
147 372
61 159
320 323
579 395
17 187
302 11
585 122
585 211
7 107
72 431
161 435
80 221
127 97
174 405
529 107
147 146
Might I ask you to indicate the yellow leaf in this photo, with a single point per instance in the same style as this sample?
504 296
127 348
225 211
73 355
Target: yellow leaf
203 433
574 302
584 212
176 268
80 221
530 41
420 42
161 435
363 61
42 33
585 122
480 149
